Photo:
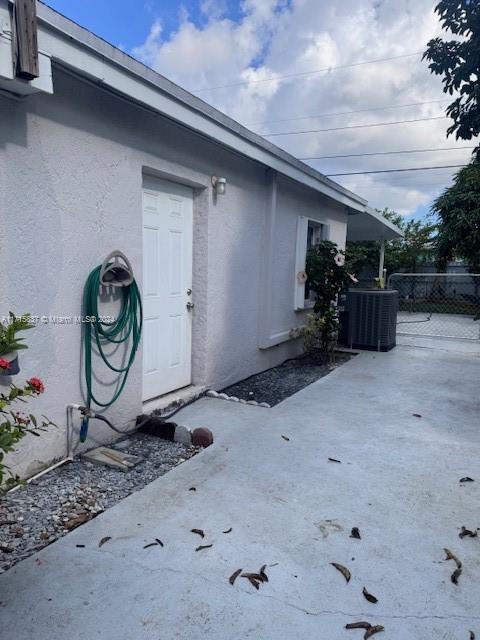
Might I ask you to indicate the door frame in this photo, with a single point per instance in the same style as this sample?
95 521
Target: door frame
199 184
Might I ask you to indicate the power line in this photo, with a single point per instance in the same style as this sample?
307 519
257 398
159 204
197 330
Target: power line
384 153
305 73
345 113
358 173
354 126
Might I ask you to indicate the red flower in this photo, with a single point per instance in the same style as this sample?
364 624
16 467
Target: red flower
36 385
4 364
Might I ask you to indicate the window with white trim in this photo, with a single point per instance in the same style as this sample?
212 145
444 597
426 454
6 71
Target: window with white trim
309 233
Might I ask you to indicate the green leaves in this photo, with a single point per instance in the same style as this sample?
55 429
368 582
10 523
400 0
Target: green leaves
14 426
458 61
9 341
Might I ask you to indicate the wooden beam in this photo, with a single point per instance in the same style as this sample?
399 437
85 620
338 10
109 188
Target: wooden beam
25 12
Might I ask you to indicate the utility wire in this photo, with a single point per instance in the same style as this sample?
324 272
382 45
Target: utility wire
358 173
346 113
384 153
354 126
305 73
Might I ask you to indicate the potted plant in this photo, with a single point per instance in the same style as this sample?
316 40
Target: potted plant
10 343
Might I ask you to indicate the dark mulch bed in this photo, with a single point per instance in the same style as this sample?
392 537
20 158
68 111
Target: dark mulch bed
274 385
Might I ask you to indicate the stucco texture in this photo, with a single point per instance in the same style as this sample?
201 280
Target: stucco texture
71 169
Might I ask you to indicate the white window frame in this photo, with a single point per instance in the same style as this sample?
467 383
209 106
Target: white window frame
300 303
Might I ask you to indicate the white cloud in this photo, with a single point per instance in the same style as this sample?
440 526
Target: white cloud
280 37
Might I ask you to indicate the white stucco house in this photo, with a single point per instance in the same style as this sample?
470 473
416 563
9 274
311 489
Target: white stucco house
100 153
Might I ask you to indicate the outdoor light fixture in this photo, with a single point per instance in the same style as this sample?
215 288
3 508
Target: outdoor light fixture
219 185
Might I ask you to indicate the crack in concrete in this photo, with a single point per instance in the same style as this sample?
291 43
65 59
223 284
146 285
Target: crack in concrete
321 612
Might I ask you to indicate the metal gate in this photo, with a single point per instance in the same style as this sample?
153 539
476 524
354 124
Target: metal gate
438 304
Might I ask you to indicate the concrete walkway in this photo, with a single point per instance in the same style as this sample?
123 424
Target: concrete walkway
288 506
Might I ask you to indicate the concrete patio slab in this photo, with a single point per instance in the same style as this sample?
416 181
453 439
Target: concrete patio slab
288 506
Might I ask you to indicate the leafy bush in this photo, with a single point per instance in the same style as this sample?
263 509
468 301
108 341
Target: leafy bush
15 425
327 275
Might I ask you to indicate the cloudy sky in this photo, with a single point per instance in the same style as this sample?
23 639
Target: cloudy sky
288 66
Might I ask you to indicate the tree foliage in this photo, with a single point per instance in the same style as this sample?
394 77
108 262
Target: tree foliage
458 61
458 211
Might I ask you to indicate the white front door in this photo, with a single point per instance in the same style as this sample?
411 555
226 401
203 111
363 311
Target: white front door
167 285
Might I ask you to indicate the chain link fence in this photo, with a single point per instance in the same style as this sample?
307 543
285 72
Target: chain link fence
438 304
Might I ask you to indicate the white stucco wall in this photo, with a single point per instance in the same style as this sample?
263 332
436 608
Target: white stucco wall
71 169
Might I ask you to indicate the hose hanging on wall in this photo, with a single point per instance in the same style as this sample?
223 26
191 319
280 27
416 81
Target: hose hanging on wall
126 326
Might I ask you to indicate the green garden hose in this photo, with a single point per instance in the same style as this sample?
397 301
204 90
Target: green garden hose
127 326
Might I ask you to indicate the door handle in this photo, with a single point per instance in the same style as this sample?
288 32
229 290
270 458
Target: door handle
190 305
189 292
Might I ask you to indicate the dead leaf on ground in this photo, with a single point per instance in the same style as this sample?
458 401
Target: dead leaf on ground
204 546
104 540
73 523
252 575
370 632
417 415
158 541
369 596
358 625
285 438
234 576
356 533
263 574
334 460
466 479
451 556
466 532
192 489
472 635
343 570
455 575
80 546
228 530
199 532
254 582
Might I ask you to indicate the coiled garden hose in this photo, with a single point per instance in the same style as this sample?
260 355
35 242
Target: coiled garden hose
127 326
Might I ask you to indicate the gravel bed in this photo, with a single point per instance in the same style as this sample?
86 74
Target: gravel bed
278 383
48 508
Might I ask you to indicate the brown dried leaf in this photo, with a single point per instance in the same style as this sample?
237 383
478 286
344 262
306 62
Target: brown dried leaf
370 632
356 533
158 541
358 625
417 415
254 583
369 596
192 489
228 530
73 523
263 574
253 576
80 546
204 546
343 570
472 635
151 544
334 460
234 576
285 438
466 532
455 575
451 556
199 532
104 540
466 479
